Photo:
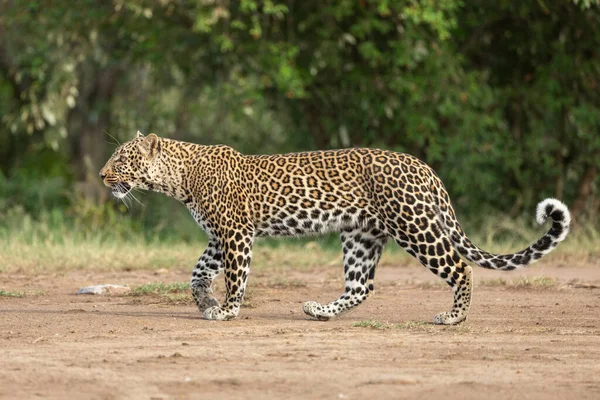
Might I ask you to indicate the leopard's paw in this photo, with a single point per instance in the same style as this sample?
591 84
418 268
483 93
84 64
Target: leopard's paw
218 314
446 318
315 310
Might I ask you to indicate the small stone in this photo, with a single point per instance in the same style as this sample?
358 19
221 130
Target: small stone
109 289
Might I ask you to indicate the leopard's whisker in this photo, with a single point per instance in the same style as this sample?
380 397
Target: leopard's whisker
124 202
131 195
116 140
121 188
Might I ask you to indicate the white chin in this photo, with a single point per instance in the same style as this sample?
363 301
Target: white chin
119 195
121 190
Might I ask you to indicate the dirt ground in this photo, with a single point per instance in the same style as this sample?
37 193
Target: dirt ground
526 342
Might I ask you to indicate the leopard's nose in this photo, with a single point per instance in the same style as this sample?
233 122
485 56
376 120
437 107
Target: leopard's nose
102 176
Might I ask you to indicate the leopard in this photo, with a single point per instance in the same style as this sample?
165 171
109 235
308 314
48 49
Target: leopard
365 195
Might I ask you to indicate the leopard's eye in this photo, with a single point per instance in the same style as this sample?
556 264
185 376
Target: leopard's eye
120 159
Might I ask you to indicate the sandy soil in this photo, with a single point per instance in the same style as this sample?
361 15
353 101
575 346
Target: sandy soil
525 343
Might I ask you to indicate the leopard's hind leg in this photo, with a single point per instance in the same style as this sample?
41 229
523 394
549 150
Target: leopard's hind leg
362 249
461 281
437 254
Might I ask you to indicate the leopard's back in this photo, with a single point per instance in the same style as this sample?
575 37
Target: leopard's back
325 191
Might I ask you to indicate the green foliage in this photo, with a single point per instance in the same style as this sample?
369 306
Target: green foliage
32 194
587 3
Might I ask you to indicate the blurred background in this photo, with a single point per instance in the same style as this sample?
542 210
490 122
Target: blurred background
500 97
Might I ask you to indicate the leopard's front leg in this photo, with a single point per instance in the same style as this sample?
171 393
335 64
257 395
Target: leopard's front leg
237 254
207 268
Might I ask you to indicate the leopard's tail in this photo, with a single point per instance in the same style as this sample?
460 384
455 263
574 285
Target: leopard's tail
549 208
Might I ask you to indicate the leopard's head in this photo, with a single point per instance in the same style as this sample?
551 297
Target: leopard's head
134 164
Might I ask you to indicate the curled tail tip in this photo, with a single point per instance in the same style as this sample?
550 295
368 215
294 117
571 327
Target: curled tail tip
555 209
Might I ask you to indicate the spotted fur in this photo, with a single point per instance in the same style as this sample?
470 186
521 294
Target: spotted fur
367 195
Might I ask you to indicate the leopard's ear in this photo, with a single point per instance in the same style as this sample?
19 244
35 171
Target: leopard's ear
150 146
138 135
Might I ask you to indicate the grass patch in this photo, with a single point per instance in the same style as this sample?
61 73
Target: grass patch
536 282
372 324
8 293
160 288
412 325
168 293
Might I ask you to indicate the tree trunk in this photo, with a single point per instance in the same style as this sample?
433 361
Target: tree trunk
88 123
584 193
